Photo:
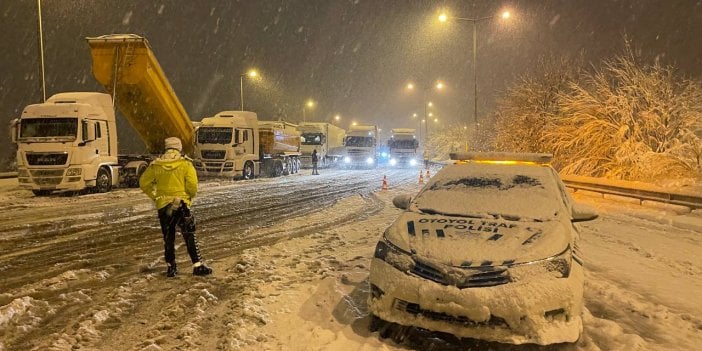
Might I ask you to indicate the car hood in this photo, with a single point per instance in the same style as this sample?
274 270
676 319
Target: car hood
468 242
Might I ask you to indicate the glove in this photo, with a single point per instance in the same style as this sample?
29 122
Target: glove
174 206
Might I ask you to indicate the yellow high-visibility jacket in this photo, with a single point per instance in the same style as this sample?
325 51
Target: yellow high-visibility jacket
168 177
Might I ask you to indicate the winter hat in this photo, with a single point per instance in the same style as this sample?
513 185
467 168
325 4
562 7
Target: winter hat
174 143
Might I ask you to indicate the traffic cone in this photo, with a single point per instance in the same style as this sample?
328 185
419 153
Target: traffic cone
385 183
428 173
421 178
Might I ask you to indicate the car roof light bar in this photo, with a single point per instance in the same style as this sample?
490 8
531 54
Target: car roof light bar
502 157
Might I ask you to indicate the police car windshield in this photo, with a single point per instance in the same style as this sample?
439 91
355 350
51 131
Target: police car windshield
509 192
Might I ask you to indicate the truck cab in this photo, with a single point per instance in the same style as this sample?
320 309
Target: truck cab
235 144
324 137
402 148
361 144
68 143
226 143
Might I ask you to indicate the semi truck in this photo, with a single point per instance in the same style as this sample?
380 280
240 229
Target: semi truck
326 138
402 147
360 146
69 142
236 144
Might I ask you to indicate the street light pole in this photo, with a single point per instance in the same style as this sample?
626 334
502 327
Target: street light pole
241 90
41 50
474 21
475 73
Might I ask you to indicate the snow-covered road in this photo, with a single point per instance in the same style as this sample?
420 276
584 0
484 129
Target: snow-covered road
291 258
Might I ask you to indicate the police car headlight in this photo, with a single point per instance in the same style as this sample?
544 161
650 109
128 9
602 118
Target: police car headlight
393 255
347 159
557 266
393 161
370 160
413 162
384 154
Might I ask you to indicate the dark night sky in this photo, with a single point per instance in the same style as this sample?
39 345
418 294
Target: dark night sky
353 57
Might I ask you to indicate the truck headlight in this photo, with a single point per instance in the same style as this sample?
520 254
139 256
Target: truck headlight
72 172
228 164
413 162
347 159
393 161
370 160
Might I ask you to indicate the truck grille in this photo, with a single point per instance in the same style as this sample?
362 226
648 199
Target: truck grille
45 177
416 309
46 159
213 154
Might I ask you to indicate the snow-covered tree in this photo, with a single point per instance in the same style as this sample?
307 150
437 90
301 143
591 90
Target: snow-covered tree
453 138
524 112
628 121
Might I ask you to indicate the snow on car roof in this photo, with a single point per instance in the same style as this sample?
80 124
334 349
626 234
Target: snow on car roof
513 191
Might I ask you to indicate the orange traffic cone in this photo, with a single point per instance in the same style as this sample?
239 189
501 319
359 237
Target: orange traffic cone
385 183
428 173
421 178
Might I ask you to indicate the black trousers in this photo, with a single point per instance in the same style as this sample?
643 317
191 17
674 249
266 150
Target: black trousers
314 168
182 218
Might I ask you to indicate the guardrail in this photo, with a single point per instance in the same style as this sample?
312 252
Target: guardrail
637 191
5 175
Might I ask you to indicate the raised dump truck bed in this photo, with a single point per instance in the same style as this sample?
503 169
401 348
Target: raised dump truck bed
125 64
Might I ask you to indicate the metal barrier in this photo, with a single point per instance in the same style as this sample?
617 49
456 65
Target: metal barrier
652 193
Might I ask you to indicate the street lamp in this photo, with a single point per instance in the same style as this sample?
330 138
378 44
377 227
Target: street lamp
439 85
443 17
251 74
309 103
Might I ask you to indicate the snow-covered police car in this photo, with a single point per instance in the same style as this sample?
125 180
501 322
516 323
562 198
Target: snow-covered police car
488 249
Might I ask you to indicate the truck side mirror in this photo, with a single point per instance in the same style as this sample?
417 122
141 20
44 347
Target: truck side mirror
14 128
88 131
236 137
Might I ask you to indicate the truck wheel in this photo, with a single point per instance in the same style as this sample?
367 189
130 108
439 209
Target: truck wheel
140 170
277 168
41 192
248 170
103 182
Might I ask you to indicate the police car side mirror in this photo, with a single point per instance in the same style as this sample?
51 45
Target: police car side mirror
582 213
402 201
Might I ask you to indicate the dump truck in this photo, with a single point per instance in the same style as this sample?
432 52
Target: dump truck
69 142
402 147
235 144
360 146
326 138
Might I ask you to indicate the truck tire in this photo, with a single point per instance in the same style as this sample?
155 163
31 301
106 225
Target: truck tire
248 172
277 168
139 171
103 182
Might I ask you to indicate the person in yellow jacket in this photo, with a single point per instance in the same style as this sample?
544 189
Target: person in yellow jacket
171 182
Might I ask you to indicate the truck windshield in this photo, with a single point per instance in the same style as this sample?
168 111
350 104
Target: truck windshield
214 135
58 127
312 139
402 144
360 141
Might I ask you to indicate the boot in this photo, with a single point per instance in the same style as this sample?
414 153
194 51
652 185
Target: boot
172 270
201 269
